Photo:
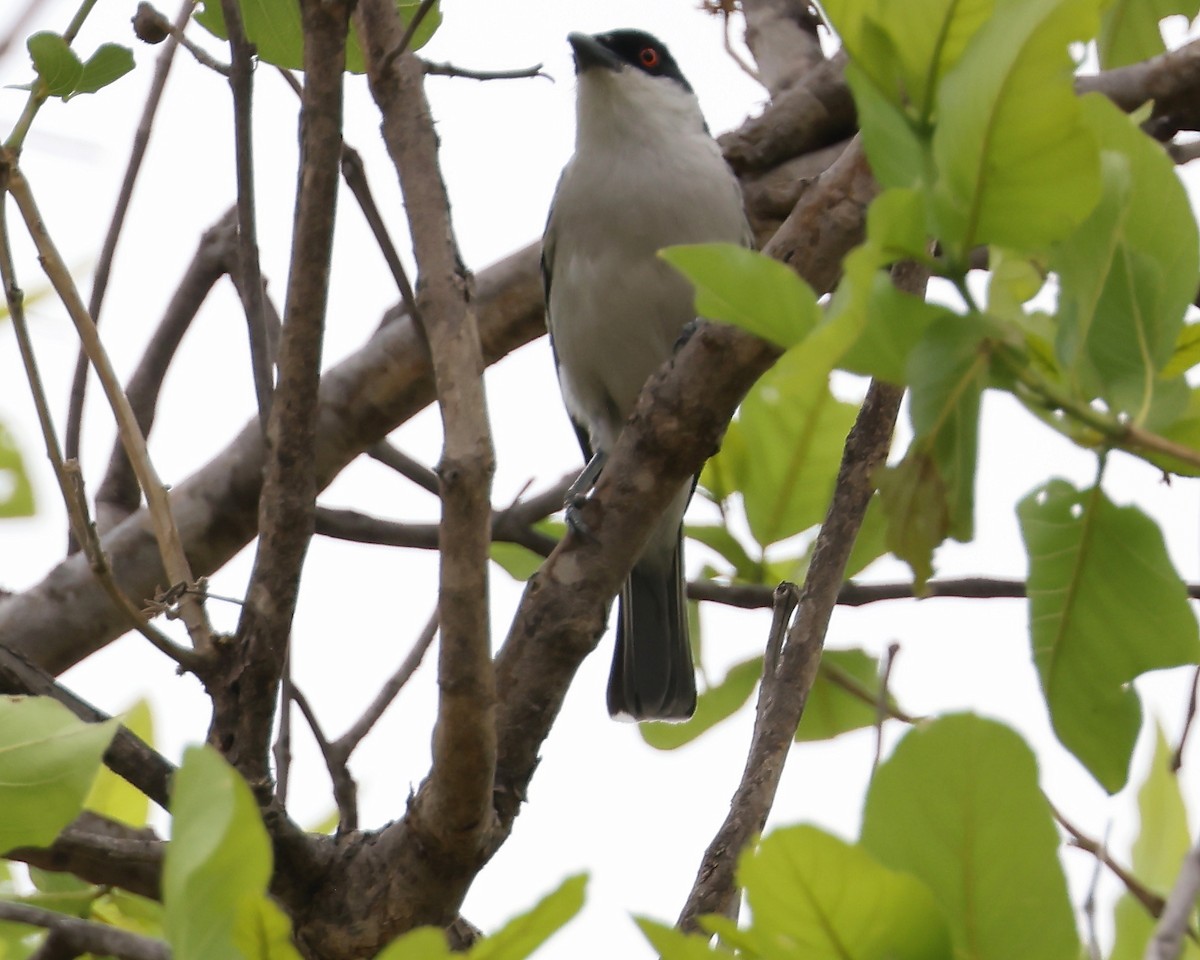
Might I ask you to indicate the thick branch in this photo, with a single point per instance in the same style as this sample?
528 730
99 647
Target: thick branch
67 616
102 852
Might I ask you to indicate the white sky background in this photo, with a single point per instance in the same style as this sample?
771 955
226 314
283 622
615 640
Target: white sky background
601 801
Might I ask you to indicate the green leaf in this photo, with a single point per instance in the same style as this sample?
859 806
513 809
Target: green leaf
914 498
717 537
274 27
108 64
895 323
18 941
832 709
1013 280
897 153
262 931
1017 165
128 911
673 944
424 33
815 896
794 430
1187 351
907 48
56 64
719 476
523 934
947 372
1129 30
16 492
957 805
930 494
712 706
871 542
1128 273
115 797
747 289
1163 841
1185 430
48 760
218 862
1105 606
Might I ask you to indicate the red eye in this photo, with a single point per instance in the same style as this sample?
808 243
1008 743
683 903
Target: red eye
649 57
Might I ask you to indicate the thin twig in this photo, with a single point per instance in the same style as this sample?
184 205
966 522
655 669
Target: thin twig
137 153
882 709
355 176
70 481
166 532
243 712
349 740
1188 720
404 465
241 85
345 789
406 38
149 24
1138 890
20 25
450 70
282 750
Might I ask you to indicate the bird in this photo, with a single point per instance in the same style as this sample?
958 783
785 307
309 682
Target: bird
645 174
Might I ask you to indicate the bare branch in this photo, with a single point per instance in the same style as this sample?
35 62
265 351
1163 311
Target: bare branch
243 711
345 789
363 398
103 852
450 70
127 756
137 153
87 936
170 545
404 465
1188 719
249 271
1170 80
348 741
784 693
119 494
454 813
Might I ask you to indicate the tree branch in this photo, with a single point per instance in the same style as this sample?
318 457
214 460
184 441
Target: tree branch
119 493
87 936
249 270
67 616
137 153
453 812
245 689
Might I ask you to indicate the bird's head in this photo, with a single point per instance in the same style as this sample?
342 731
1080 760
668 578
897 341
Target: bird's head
629 85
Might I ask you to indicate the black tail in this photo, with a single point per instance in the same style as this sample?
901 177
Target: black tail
652 676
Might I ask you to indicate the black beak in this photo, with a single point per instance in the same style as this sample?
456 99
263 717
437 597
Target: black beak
590 52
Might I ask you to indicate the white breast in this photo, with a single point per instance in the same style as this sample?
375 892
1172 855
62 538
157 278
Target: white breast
615 310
